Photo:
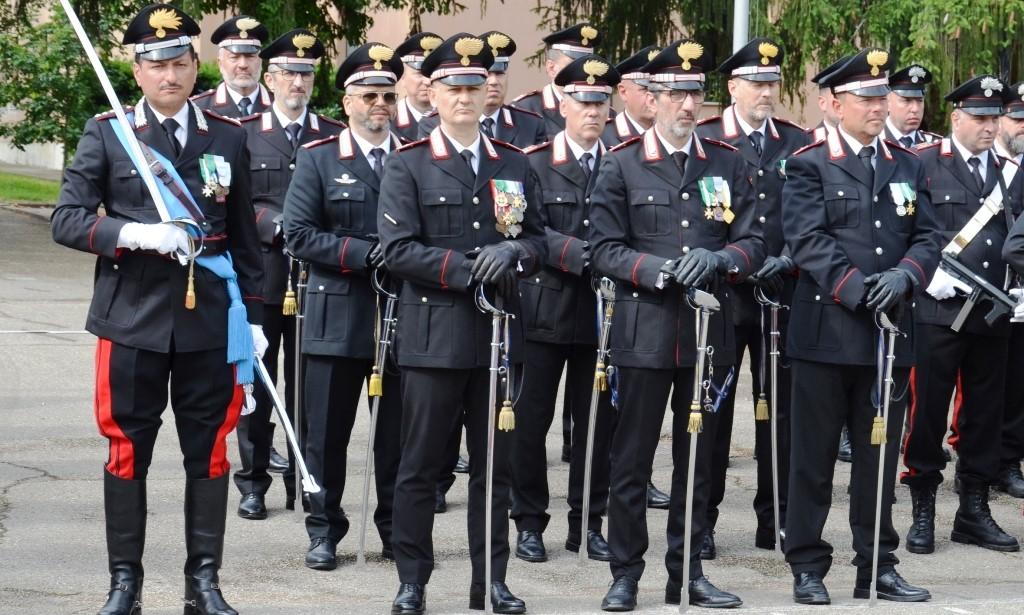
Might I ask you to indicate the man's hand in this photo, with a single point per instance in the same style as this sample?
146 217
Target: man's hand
944 286
700 266
886 289
493 261
375 257
507 285
162 238
774 266
259 341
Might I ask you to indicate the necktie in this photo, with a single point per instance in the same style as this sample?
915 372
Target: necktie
680 159
755 139
468 157
906 141
378 161
488 127
865 155
975 163
170 127
585 165
244 104
293 132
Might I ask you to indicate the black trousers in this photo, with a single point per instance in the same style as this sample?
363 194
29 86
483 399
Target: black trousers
536 410
1013 410
643 394
826 397
431 401
332 390
980 361
131 394
750 337
255 430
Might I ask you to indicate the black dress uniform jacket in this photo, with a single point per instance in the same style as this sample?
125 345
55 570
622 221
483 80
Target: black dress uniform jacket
331 222
545 103
559 306
920 137
645 214
840 230
406 126
139 297
219 101
619 130
272 162
517 126
955 196
432 213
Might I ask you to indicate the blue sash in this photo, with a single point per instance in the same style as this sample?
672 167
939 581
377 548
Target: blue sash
240 343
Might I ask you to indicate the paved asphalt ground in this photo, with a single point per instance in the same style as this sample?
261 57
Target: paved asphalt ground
52 554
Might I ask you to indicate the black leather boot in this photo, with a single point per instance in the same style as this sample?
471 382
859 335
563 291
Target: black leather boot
206 504
1011 480
124 503
921 535
974 524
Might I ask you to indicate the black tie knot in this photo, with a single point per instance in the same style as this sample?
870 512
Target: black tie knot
756 140
680 159
468 157
378 160
585 161
170 126
244 104
865 154
906 141
488 126
975 163
293 132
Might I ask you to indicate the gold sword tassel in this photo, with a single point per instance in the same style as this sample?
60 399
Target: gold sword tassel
190 291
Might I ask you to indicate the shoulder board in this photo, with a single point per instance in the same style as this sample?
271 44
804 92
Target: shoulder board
778 120
216 116
515 109
506 145
722 144
413 144
109 114
526 95
250 117
933 135
313 144
808 147
204 94
536 148
331 120
432 113
627 143
892 143
920 147
708 120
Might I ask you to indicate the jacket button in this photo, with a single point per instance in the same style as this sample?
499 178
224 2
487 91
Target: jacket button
988 242
686 196
537 280
685 223
761 219
134 172
476 225
817 297
635 295
761 196
586 223
587 200
263 165
344 194
878 224
558 198
760 173
476 200
291 166
115 267
686 249
840 193
985 264
878 251
321 287
947 197
981 200
423 299
874 199
650 197
442 199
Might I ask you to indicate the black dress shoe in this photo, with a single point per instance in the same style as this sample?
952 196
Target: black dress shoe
278 463
621 595
289 501
707 547
597 546
461 466
411 599
440 504
566 453
809 588
703 594
1011 480
252 507
845 450
322 554
530 546
502 600
891 586
656 498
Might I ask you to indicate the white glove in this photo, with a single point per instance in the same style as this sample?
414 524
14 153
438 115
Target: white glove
944 286
163 238
259 341
1018 310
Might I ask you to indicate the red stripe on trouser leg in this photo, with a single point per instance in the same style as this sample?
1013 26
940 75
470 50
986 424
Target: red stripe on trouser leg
910 423
958 402
121 455
219 464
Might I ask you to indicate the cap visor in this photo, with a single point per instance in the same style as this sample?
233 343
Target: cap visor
1015 114
463 80
908 93
415 65
242 48
871 92
682 85
982 111
588 97
296 68
374 81
498 67
167 53
574 54
761 77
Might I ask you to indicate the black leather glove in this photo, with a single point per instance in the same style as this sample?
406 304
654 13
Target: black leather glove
375 257
586 256
774 266
493 261
507 285
886 289
700 266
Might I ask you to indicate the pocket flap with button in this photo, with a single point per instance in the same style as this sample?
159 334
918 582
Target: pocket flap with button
649 197
950 196
424 297
840 191
260 163
559 197
441 197
124 169
346 193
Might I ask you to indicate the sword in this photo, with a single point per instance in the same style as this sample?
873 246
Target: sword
308 482
385 329
297 395
605 291
773 307
704 303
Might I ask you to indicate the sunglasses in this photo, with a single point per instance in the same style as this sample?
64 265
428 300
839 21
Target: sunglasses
370 98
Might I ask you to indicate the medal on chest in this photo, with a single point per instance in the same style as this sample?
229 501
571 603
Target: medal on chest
216 174
714 191
904 197
509 205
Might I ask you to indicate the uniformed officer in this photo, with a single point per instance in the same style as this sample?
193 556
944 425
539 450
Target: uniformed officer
765 142
447 211
274 137
331 222
671 210
906 107
506 123
860 227
562 47
829 119
1010 144
240 93
148 334
559 311
962 171
637 111
414 101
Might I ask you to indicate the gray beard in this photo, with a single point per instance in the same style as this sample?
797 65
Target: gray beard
1015 145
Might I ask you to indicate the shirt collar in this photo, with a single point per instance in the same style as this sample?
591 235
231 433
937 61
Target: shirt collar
237 96
493 116
896 134
284 120
855 145
964 154
473 147
416 115
366 147
1005 153
747 128
668 146
181 116
577 149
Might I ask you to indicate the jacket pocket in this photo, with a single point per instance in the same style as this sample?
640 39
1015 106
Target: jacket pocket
265 174
442 211
541 295
426 320
117 293
841 205
650 212
561 207
346 207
